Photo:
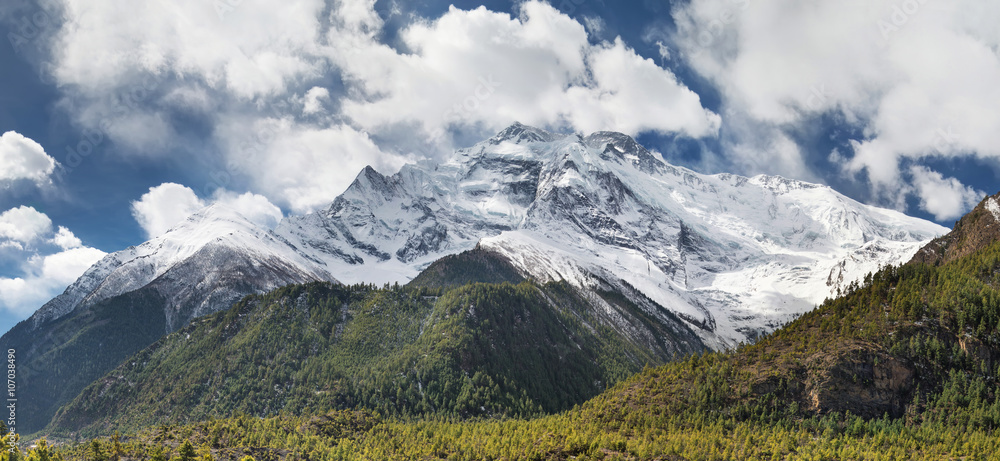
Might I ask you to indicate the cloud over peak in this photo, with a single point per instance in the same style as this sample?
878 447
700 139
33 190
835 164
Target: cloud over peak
483 68
314 85
169 204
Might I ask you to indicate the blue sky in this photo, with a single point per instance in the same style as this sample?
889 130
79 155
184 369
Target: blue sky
120 118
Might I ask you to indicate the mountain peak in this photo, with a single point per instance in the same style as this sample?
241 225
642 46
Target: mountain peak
621 145
974 231
368 184
519 133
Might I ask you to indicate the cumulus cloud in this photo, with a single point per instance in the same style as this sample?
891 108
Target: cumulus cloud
23 158
169 204
304 167
478 67
165 206
66 240
314 100
945 198
128 68
917 77
252 50
24 224
45 277
256 208
50 261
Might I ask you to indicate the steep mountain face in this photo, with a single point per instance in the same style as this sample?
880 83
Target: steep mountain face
212 259
62 356
735 257
976 230
129 299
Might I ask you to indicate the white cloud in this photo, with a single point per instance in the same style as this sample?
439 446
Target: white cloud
169 204
24 224
256 208
50 261
304 167
165 206
664 50
128 70
481 68
23 158
253 50
594 24
45 277
314 100
918 76
66 240
125 67
945 198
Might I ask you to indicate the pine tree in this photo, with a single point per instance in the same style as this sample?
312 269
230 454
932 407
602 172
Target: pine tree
186 451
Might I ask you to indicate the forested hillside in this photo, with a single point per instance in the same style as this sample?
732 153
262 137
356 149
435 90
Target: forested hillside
65 355
480 350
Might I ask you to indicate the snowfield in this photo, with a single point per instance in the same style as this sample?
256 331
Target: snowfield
734 257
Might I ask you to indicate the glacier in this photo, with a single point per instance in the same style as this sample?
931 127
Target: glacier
734 257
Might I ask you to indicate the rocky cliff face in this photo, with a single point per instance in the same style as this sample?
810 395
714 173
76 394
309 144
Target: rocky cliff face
865 382
974 231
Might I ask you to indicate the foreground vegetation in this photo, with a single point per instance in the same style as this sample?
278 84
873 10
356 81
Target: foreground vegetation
581 434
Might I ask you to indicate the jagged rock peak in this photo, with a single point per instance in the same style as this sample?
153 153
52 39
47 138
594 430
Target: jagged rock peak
519 133
621 142
973 232
370 182
613 144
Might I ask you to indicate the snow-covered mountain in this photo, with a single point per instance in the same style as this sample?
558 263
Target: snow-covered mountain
203 265
733 256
